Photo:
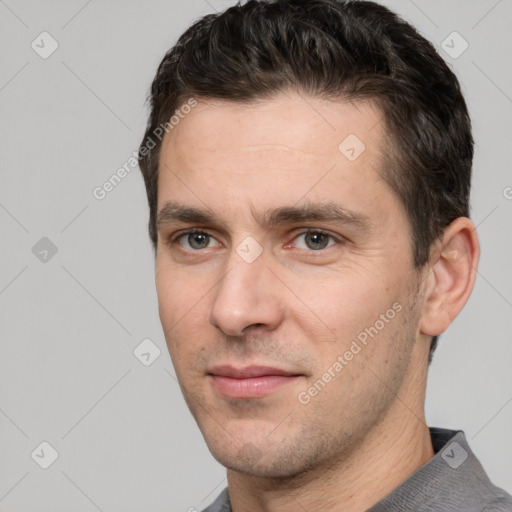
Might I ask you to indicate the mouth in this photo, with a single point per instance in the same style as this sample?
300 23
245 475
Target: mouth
250 381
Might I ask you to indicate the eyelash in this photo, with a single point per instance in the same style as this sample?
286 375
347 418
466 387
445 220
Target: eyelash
173 240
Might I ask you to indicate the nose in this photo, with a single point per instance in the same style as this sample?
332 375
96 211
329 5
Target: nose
246 296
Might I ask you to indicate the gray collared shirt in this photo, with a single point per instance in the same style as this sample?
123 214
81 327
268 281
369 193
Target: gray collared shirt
453 480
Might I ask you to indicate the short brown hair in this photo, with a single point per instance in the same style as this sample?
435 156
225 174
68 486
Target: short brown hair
332 49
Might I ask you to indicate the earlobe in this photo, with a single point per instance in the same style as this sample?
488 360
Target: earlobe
451 278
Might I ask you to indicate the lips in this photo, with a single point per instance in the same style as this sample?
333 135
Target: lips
250 381
249 371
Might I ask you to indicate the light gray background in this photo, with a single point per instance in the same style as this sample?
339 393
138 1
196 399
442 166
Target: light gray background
68 376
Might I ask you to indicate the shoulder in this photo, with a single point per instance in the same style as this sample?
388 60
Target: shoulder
471 486
453 480
501 504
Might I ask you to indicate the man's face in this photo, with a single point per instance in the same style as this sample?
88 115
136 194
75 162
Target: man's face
291 329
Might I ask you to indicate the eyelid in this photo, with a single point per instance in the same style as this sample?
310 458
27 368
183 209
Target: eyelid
188 231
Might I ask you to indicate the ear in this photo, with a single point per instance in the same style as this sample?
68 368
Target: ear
451 279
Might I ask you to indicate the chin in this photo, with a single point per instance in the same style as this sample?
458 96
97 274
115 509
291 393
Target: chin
264 463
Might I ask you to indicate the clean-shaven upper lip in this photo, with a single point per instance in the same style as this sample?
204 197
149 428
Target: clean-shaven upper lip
249 372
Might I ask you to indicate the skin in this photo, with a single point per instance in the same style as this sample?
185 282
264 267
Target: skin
299 306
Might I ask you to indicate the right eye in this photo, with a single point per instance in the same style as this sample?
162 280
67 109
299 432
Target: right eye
194 240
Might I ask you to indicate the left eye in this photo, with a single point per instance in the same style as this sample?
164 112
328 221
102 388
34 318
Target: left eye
315 240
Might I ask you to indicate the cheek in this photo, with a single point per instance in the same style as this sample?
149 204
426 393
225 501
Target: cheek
177 289
344 303
177 302
347 320
184 304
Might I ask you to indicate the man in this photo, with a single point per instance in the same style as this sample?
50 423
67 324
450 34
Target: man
307 165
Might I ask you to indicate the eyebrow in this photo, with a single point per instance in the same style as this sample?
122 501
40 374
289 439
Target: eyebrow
174 212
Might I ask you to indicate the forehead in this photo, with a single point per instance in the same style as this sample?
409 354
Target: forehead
274 152
287 122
